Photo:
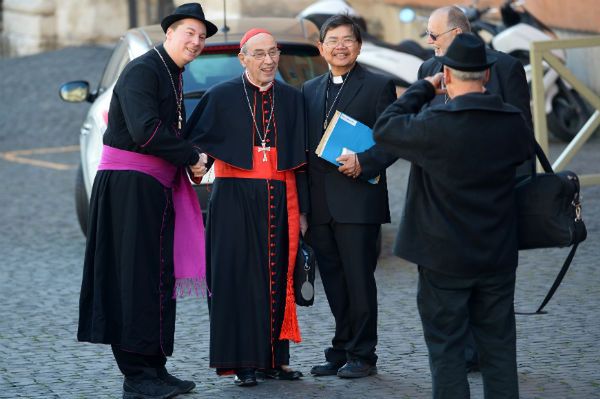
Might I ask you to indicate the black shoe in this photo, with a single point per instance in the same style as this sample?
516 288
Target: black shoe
245 377
327 368
181 385
153 388
281 374
356 369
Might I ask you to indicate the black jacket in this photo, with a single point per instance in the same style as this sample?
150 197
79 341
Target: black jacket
460 213
334 195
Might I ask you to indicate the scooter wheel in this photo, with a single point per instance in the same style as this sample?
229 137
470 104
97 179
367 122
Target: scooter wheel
569 114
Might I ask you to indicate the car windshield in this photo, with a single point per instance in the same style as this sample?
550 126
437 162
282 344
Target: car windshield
296 66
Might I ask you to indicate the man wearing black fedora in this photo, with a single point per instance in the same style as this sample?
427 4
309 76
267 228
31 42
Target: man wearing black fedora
134 258
459 221
507 79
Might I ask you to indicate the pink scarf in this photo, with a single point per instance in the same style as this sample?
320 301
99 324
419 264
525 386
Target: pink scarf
188 247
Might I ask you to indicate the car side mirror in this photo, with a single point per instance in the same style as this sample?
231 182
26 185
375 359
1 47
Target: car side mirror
75 92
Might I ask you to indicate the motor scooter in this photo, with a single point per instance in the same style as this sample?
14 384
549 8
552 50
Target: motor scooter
566 110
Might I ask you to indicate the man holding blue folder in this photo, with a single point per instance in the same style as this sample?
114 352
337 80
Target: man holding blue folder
346 211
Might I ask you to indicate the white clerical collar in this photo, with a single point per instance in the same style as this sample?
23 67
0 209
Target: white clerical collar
260 88
337 80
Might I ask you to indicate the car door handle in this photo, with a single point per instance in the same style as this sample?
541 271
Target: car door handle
86 128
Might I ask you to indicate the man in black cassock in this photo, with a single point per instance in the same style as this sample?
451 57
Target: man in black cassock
346 210
131 267
253 128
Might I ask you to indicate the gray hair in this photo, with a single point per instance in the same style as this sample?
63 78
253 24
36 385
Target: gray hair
467 75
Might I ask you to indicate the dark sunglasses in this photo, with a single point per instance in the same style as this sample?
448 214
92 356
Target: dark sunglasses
435 37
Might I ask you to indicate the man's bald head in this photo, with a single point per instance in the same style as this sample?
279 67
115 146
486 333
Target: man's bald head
443 26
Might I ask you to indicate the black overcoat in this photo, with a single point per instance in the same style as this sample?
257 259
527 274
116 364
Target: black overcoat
460 213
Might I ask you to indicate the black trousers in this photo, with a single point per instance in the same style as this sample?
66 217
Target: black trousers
138 366
346 257
450 306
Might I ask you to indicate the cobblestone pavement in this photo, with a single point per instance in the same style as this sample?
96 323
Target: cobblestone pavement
41 251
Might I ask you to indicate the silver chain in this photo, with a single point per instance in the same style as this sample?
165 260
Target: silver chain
335 99
261 137
178 99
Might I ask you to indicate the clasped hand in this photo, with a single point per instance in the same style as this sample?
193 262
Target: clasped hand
199 168
350 165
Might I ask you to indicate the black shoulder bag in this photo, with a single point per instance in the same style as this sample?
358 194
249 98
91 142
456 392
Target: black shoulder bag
549 214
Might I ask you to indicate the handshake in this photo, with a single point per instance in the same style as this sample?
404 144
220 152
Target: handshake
199 169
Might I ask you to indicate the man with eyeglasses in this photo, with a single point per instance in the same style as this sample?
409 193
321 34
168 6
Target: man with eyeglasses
252 126
346 210
507 79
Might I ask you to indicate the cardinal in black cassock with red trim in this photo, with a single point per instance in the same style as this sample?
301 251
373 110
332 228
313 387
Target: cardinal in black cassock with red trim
253 128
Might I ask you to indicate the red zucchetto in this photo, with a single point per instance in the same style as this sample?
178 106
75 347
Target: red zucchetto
251 33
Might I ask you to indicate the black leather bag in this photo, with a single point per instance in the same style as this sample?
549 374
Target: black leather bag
549 214
549 211
304 275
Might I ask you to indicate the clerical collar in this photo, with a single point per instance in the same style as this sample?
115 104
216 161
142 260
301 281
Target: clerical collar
169 61
260 88
338 80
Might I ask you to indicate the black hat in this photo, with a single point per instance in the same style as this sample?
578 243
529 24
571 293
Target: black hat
467 53
189 10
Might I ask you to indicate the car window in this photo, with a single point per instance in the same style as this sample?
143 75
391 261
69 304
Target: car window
210 69
118 59
295 67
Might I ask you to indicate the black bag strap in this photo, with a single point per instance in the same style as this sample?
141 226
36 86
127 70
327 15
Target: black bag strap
557 281
543 159
561 274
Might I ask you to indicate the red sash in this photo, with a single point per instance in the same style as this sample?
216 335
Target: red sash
268 170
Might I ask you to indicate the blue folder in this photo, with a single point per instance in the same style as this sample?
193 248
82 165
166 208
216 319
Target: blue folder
345 135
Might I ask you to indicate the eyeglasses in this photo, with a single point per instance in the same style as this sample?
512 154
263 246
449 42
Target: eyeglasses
260 55
333 43
435 37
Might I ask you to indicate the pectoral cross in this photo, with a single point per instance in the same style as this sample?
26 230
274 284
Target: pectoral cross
264 150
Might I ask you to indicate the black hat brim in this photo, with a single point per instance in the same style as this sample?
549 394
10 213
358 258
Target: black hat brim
169 20
461 66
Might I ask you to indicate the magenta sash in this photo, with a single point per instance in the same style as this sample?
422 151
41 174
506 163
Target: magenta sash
188 246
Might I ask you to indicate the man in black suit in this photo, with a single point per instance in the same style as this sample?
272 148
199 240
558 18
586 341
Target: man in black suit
507 79
459 224
507 76
346 210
